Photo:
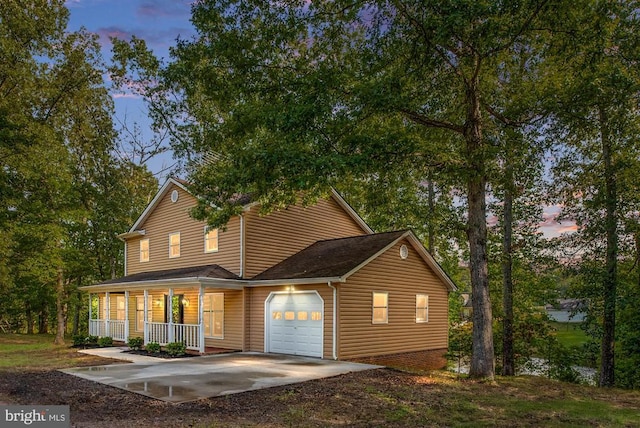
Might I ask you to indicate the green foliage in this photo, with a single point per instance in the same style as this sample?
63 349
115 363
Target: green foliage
152 347
135 343
106 341
79 340
176 349
92 340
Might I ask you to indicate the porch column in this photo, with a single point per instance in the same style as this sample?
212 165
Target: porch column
169 310
201 319
90 314
126 315
107 316
145 329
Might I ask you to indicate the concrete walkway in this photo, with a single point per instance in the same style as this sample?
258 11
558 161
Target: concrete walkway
188 379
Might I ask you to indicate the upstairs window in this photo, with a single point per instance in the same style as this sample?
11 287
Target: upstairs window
144 250
422 308
174 245
210 240
380 308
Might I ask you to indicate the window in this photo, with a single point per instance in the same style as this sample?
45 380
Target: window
289 315
214 315
302 316
380 308
120 308
144 250
174 245
210 240
422 308
316 316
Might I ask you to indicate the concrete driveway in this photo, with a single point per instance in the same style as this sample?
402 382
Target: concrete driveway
188 379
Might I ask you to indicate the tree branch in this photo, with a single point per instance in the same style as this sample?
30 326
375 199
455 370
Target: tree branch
431 123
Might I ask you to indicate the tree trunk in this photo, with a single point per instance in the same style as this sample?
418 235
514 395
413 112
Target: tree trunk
60 309
30 320
607 364
508 360
482 355
43 319
76 315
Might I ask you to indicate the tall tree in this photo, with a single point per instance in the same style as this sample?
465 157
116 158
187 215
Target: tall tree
598 121
63 195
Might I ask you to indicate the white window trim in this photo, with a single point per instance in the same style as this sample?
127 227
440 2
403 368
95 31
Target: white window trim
426 320
373 295
179 243
143 260
206 240
221 337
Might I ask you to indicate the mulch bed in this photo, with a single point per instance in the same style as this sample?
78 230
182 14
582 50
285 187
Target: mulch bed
161 354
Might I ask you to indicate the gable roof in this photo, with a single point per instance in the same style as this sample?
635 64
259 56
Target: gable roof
337 259
330 258
245 200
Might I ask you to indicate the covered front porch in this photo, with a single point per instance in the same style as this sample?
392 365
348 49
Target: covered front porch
160 315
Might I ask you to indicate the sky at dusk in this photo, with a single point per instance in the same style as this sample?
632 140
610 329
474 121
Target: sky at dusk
160 23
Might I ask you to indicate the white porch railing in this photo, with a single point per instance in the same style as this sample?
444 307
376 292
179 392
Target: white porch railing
112 328
116 330
97 328
187 333
158 332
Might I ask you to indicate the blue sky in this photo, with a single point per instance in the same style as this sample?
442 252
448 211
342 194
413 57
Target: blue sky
158 22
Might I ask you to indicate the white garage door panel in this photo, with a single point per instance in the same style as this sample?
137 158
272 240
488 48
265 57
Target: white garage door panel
295 324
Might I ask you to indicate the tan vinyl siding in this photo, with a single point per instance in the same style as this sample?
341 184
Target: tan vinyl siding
402 279
169 217
232 321
256 300
272 238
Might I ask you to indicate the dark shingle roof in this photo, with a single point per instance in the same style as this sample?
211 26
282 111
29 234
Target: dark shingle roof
330 258
208 271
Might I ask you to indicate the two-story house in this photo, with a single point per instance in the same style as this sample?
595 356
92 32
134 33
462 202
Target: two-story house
312 281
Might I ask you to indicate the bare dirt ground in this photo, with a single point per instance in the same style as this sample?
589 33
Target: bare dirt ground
374 398
98 405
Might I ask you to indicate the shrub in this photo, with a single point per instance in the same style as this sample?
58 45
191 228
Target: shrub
176 349
135 343
79 340
105 341
91 340
153 347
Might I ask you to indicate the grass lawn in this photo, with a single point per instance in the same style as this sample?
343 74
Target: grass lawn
37 351
569 334
384 398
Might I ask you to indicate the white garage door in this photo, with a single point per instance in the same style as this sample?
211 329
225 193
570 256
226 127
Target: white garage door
295 324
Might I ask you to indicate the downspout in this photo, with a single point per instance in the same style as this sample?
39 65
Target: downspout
335 322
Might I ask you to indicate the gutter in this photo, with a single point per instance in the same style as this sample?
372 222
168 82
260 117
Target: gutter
335 323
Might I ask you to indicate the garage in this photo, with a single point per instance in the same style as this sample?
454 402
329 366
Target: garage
295 323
